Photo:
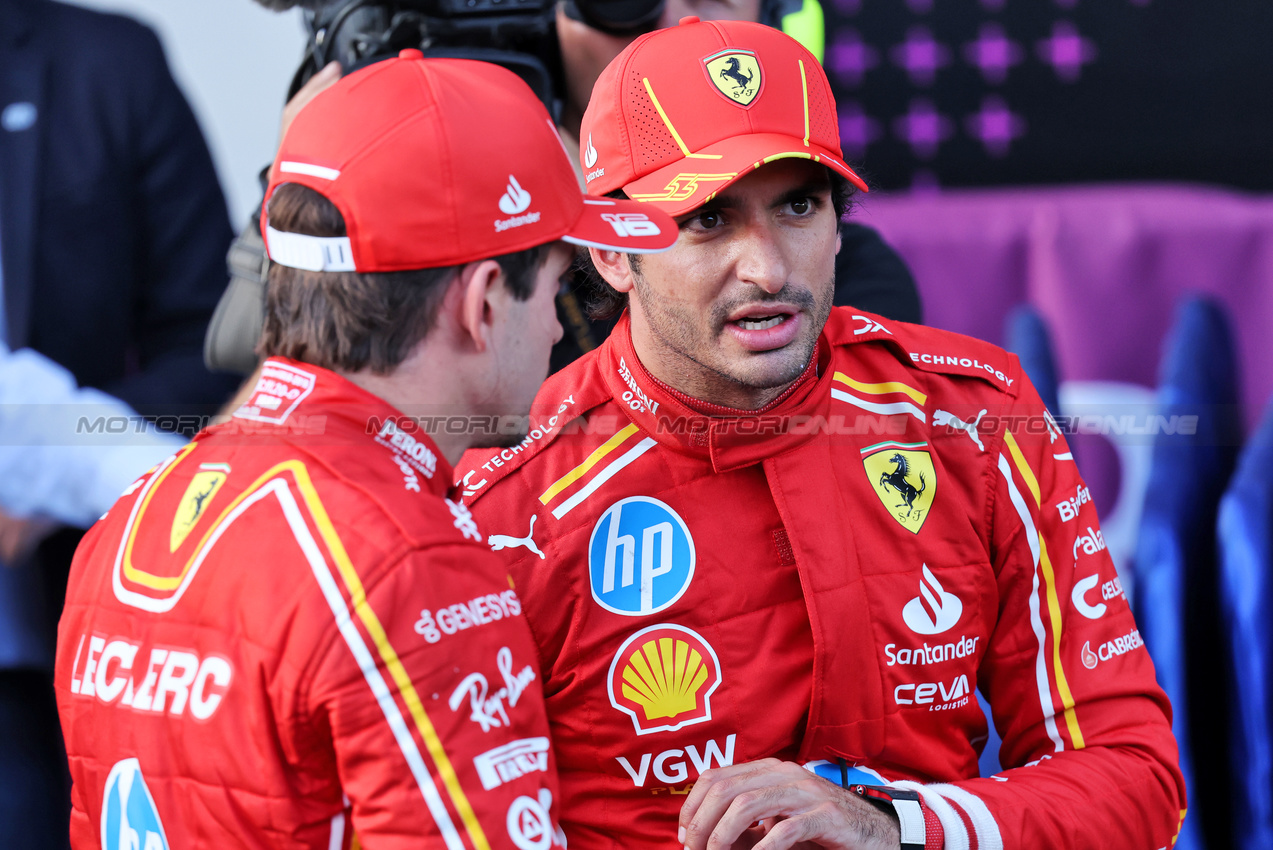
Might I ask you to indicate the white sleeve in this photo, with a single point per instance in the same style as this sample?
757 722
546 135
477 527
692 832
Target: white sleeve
67 452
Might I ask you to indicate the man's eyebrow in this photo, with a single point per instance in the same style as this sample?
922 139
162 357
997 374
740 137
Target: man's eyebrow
726 201
807 190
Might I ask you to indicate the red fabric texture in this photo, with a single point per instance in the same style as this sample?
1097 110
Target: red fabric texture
934 836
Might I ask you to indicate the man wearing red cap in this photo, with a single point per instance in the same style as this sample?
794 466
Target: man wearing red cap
780 543
285 634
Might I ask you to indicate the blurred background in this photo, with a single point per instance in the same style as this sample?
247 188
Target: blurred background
1087 182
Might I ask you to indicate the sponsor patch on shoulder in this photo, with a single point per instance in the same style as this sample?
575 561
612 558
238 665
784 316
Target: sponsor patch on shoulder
955 362
277 393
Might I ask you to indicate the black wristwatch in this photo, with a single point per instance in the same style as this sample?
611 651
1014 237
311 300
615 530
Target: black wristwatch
904 804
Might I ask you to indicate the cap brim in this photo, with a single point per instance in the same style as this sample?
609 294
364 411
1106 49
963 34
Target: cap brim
622 225
692 181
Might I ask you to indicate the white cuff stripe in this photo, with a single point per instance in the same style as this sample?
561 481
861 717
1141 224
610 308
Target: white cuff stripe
951 823
311 253
983 823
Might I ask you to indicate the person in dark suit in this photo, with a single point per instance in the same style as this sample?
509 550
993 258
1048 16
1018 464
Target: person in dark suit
113 231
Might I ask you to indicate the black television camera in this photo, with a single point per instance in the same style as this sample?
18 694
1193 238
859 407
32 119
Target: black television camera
520 35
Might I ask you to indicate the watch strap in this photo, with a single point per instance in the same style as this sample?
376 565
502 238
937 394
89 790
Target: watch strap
903 803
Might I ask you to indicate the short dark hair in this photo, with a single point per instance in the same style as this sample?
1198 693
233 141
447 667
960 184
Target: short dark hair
356 320
603 301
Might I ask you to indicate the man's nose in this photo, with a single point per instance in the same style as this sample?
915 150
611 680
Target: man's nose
762 260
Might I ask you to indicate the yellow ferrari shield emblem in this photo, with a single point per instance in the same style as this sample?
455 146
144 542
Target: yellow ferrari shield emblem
199 494
904 479
736 74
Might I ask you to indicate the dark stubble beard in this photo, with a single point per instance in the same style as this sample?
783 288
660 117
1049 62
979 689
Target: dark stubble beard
679 331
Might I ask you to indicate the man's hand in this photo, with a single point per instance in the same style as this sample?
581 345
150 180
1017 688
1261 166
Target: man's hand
774 805
321 81
19 537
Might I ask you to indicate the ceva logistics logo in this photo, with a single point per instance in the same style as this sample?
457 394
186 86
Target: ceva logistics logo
640 558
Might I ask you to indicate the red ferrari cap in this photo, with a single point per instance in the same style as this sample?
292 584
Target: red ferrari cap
685 111
440 162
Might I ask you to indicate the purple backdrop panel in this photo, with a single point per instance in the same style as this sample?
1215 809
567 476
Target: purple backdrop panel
1105 265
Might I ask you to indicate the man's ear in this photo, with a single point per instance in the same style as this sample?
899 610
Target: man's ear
613 266
479 289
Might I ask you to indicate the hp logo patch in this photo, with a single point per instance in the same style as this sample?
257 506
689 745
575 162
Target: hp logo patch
129 818
640 558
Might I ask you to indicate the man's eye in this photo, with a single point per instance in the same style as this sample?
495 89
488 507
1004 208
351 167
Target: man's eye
801 206
709 220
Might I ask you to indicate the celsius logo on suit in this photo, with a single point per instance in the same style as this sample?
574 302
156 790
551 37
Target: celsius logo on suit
130 820
640 558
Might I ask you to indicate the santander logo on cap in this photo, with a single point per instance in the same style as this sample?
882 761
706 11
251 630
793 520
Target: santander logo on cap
516 199
589 154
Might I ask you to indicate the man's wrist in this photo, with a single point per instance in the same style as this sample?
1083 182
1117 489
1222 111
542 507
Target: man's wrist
905 806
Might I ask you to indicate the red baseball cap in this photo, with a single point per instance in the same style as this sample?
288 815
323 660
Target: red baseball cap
440 162
683 112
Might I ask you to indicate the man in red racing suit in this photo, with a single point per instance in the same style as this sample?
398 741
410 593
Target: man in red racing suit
286 634
287 619
824 579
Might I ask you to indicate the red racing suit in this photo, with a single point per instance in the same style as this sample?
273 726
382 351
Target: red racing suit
830 578
285 635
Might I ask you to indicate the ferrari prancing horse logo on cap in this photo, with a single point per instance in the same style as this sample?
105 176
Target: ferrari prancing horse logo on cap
735 74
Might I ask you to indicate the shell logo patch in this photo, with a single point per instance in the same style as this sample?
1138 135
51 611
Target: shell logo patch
193 505
663 677
903 477
736 74
130 820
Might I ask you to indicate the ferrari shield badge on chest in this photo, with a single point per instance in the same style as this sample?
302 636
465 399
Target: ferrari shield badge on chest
735 74
904 478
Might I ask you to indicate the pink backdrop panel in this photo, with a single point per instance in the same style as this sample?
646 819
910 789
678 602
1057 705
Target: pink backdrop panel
1106 265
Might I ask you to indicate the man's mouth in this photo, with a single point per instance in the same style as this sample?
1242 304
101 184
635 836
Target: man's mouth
765 327
760 323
